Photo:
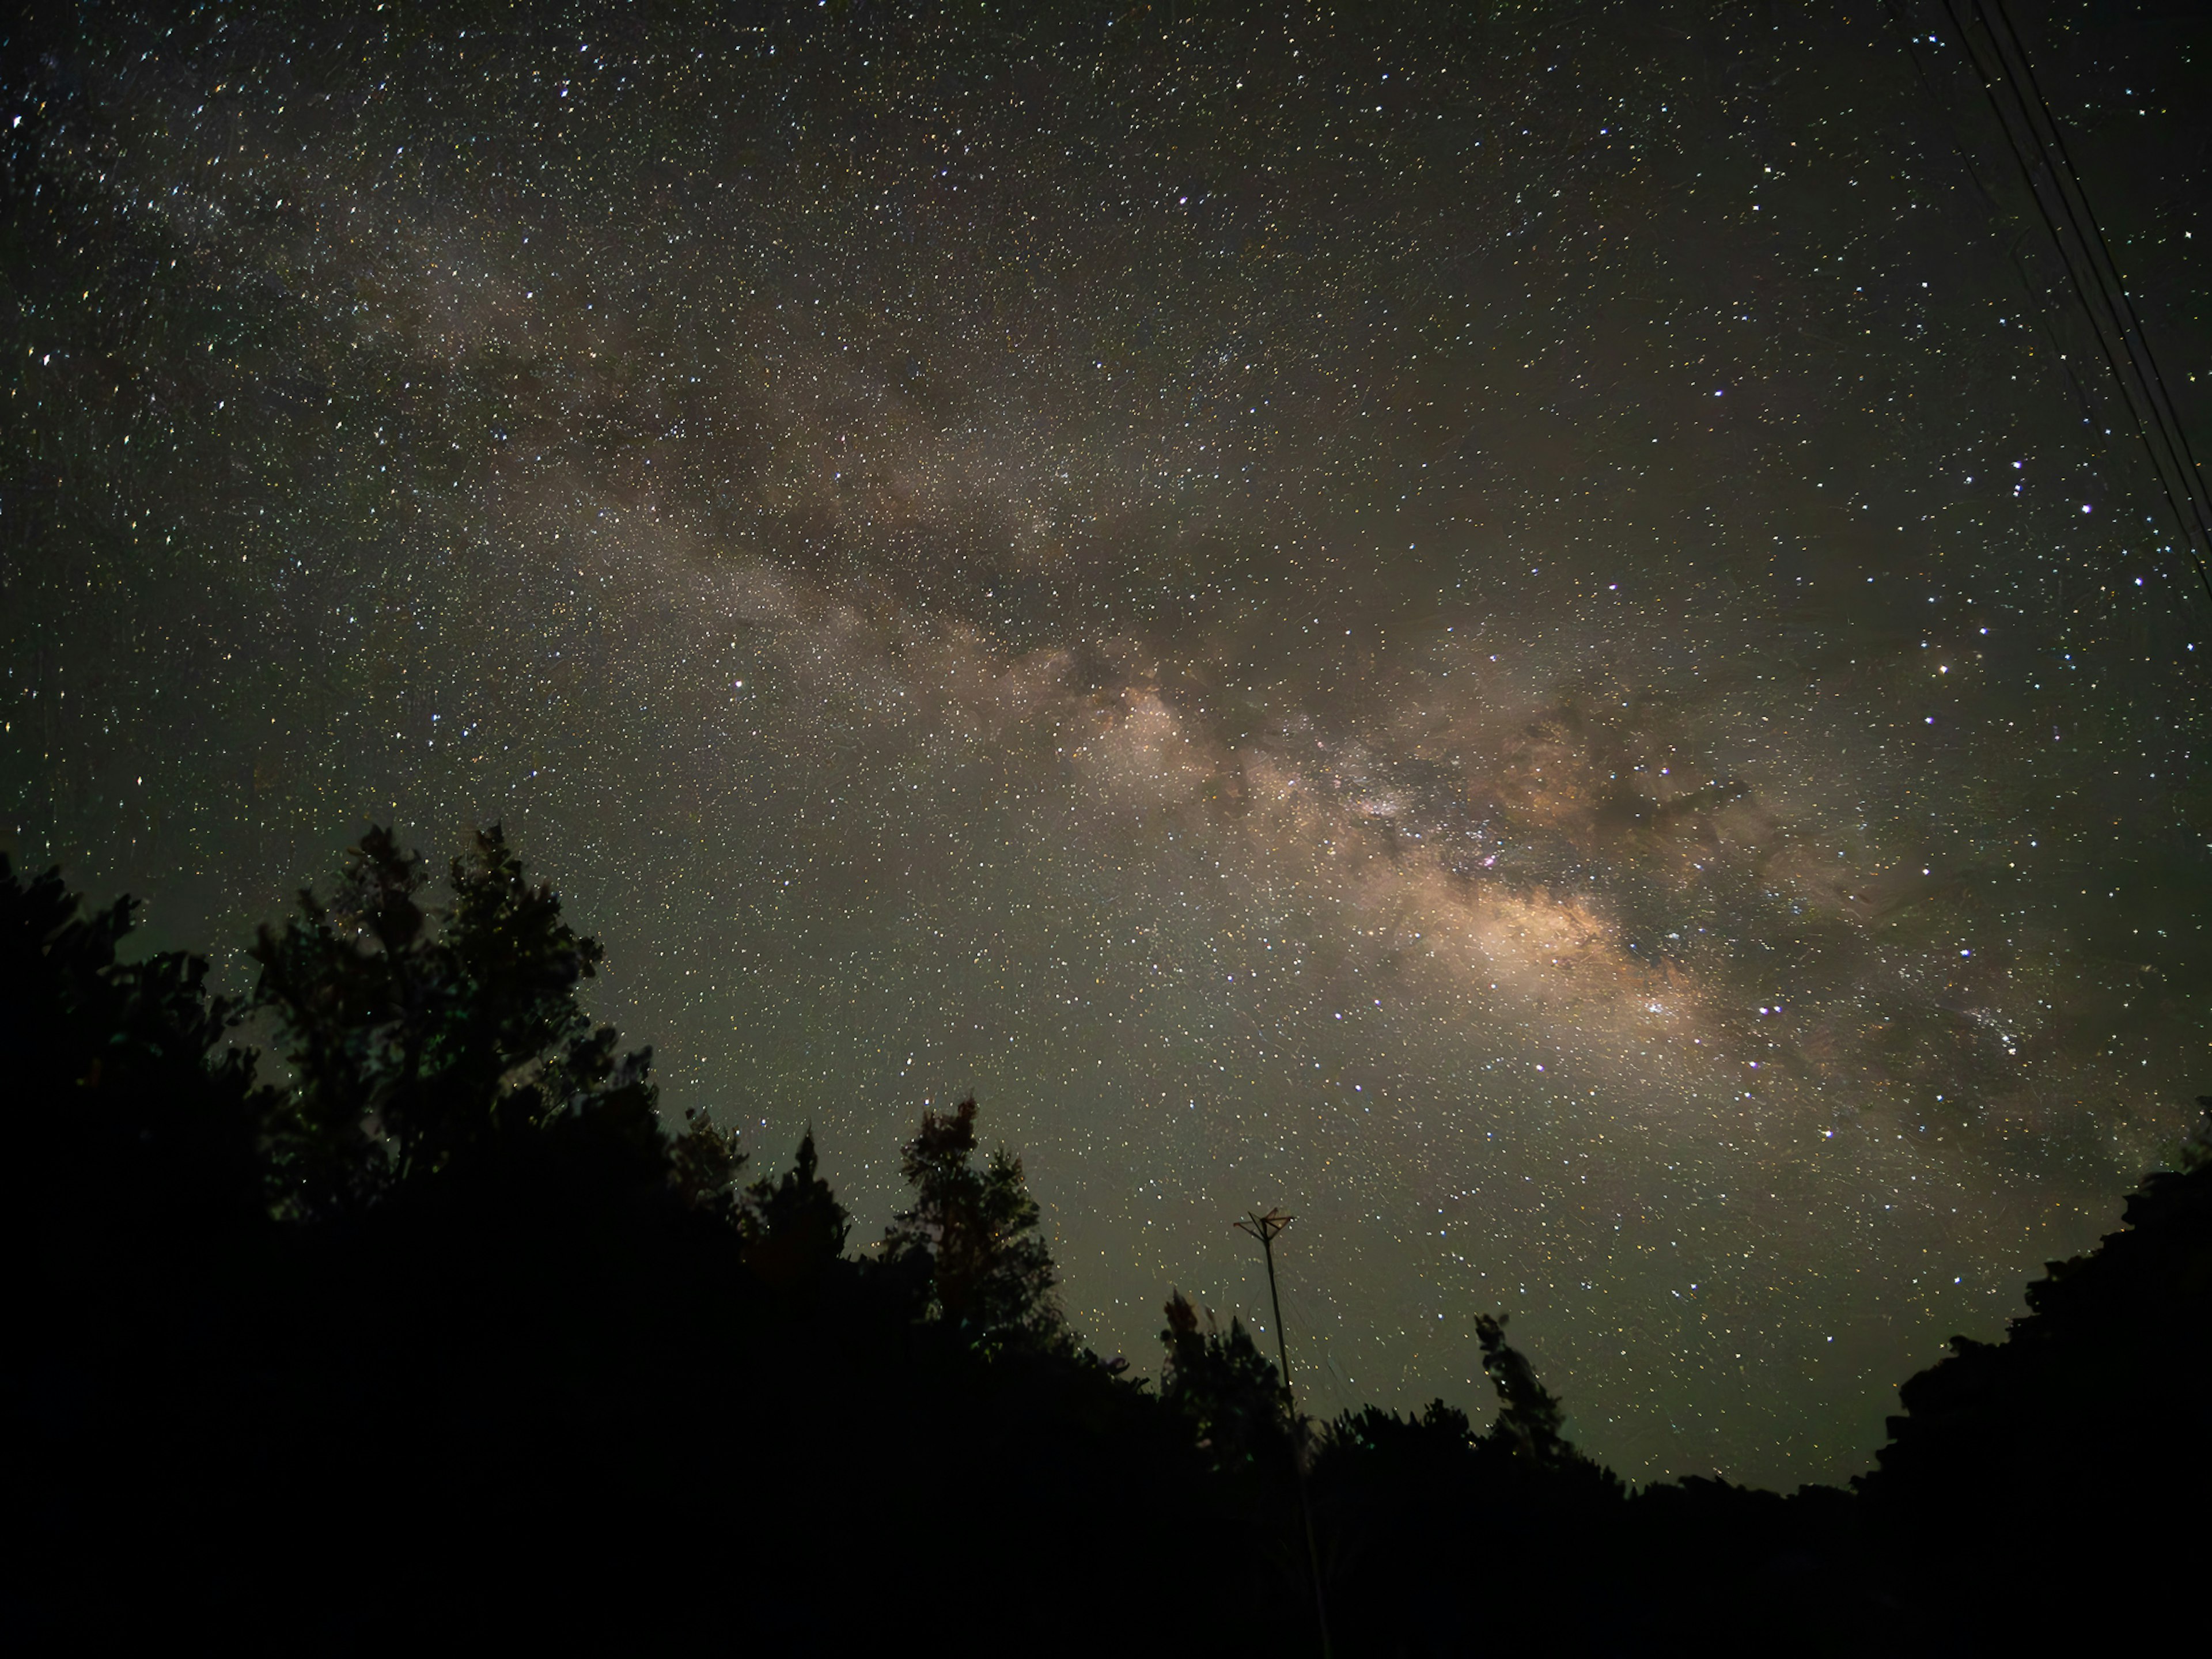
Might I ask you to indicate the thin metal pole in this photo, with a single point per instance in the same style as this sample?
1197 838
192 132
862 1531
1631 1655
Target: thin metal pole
1282 1345
1264 1228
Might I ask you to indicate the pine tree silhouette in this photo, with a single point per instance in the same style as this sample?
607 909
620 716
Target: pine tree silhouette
1229 1392
991 1273
796 1227
1530 1417
704 1162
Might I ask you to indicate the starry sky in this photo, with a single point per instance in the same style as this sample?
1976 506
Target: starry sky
1527 631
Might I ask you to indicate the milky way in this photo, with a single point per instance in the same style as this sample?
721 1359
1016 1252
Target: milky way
1523 637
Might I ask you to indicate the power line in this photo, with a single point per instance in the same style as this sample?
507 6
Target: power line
2166 450
2192 476
2165 453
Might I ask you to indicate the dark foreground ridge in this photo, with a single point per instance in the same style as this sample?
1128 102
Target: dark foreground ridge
447 1340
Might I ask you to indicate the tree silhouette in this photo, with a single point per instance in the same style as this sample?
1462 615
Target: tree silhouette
491 1271
1229 1392
135 1147
703 1164
417 1050
1530 1417
991 1274
2068 1442
796 1226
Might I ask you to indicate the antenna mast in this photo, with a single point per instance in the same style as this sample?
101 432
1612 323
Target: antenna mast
1267 1228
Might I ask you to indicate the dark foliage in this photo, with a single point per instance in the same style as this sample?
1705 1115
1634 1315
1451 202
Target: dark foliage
131 1184
448 1340
1433 1523
2072 1434
1227 1390
704 1162
419 1051
498 1356
795 1227
989 1273
1531 1424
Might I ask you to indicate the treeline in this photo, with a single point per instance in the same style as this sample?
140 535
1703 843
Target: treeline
447 1337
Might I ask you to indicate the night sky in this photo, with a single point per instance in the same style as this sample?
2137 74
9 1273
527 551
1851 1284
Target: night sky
1515 629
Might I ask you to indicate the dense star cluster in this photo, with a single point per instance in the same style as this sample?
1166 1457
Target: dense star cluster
1533 636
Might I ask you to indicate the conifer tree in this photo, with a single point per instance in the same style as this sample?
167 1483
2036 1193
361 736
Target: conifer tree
1530 1417
1228 1391
991 1273
797 1226
703 1163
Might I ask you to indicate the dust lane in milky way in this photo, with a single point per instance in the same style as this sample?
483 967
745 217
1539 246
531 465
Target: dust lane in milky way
1522 637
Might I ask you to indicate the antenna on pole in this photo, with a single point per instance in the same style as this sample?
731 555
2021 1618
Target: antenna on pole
1266 1229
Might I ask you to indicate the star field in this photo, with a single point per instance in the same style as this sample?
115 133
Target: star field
1532 637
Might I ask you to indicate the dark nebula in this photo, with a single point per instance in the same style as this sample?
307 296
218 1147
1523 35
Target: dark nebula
1516 630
